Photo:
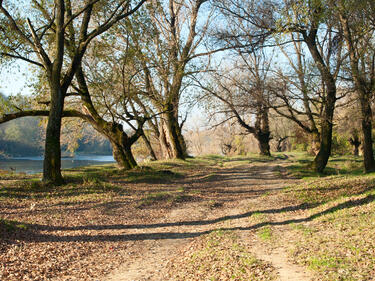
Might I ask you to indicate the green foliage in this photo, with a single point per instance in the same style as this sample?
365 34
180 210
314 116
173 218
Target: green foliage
21 137
265 233
12 226
340 144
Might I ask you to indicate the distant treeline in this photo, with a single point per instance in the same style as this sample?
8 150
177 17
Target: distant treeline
25 137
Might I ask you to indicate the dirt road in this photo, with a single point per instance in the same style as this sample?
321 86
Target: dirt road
232 195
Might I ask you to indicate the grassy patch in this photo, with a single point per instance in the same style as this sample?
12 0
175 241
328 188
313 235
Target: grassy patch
330 188
151 176
220 255
152 198
11 226
265 233
169 197
337 165
337 238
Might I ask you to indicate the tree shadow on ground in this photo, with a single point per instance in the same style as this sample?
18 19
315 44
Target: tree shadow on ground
42 237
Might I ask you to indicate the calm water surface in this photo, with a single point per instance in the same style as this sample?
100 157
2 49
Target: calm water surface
34 164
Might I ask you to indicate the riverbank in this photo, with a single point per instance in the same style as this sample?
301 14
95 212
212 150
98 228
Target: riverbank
34 164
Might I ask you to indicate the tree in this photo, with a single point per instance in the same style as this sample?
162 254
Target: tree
244 93
305 21
355 18
166 46
40 41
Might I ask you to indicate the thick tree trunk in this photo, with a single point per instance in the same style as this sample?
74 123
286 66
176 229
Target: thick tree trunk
326 119
315 143
123 156
324 153
368 153
171 139
121 145
262 129
263 143
52 153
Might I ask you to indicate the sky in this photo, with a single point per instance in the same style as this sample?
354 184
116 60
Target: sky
14 78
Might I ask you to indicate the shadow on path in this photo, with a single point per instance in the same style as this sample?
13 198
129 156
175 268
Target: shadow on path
184 235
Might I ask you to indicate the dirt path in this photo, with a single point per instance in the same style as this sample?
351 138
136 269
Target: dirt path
238 193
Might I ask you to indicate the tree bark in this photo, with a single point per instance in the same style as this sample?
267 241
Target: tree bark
52 153
149 147
355 142
321 159
326 120
123 156
315 143
120 141
368 153
364 90
263 139
171 139
262 129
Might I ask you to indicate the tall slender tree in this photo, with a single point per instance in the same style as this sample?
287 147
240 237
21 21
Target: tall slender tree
355 18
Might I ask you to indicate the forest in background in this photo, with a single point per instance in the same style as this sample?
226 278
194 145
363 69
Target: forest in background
24 137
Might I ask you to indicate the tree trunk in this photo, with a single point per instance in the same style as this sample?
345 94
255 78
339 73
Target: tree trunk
52 153
121 145
315 143
321 159
262 129
368 153
264 143
149 147
326 119
281 144
355 142
356 150
123 156
364 88
171 139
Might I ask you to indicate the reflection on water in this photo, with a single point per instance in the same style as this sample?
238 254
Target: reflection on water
32 165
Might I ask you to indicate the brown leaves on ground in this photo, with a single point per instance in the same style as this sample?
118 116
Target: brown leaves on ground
219 255
102 218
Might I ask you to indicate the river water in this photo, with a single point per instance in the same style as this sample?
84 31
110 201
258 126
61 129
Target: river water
34 164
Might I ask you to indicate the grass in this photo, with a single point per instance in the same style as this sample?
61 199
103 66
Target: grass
337 165
337 239
152 198
339 245
11 225
96 182
265 233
